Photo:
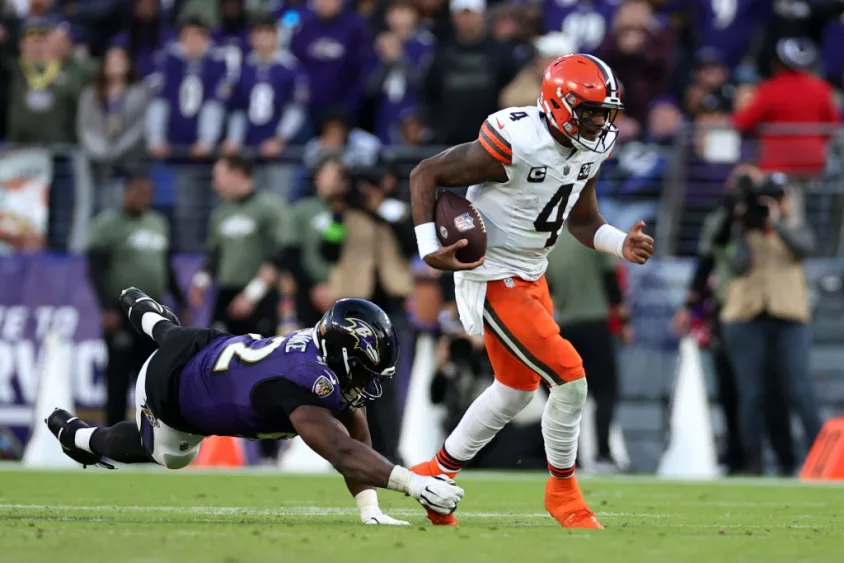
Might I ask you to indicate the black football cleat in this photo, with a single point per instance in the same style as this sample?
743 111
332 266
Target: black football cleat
63 425
135 303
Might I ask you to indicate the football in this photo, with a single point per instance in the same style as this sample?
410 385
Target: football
456 218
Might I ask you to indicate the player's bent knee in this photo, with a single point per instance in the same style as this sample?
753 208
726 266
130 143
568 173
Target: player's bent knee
510 401
569 396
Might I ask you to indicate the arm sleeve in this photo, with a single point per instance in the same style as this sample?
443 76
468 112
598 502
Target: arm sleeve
799 241
157 117
90 141
273 398
703 268
494 138
131 137
291 121
211 118
237 127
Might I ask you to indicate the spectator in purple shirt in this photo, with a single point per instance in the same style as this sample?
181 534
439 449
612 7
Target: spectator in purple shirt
731 26
587 22
193 89
232 36
333 46
146 35
269 103
404 53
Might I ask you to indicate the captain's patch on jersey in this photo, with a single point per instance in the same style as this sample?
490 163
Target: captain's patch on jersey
584 171
464 222
323 387
537 174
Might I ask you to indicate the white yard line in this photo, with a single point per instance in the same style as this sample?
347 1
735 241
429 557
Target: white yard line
470 475
291 511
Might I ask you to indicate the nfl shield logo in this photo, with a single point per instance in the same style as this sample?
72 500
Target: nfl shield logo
566 170
464 222
323 387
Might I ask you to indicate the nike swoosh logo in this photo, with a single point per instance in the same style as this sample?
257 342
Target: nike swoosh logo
500 125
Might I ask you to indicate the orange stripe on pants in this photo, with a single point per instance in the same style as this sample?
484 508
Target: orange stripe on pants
522 338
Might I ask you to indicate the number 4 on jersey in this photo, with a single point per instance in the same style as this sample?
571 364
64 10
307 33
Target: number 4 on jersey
559 201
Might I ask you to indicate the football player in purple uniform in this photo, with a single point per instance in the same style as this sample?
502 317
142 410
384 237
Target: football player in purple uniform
313 383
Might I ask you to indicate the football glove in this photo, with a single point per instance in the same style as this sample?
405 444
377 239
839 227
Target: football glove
374 517
439 493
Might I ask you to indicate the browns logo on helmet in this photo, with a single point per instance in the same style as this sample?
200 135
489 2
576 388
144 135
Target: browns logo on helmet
581 97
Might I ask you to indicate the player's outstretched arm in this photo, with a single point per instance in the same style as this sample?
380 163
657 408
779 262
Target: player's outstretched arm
360 463
365 495
588 226
463 165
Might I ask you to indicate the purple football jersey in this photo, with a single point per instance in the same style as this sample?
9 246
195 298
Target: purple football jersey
398 96
586 22
216 387
264 90
730 26
186 85
333 53
832 51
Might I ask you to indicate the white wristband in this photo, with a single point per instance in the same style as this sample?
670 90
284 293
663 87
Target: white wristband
400 479
610 240
201 279
256 290
426 239
367 499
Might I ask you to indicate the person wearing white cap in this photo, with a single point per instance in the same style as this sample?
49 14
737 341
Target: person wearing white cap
522 90
468 73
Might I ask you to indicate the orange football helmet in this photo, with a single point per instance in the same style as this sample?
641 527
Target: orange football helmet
575 90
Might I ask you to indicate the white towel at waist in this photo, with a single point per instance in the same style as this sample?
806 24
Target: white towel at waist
470 296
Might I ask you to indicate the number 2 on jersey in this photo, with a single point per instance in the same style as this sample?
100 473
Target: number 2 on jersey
246 354
560 201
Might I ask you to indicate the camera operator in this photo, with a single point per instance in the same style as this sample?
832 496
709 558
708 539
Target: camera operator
765 314
704 301
370 243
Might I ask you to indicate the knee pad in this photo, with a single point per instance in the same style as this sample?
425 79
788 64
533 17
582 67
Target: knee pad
508 401
569 397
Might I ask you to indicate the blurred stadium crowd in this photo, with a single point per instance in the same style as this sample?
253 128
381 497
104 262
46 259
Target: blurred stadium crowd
320 108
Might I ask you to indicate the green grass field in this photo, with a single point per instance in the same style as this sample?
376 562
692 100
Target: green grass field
157 516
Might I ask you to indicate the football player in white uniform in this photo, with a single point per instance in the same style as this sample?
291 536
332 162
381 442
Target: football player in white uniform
533 170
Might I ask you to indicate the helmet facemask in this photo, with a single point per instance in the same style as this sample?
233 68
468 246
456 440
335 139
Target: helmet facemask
571 114
359 383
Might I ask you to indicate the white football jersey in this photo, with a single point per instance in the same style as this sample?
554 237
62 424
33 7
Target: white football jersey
524 215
